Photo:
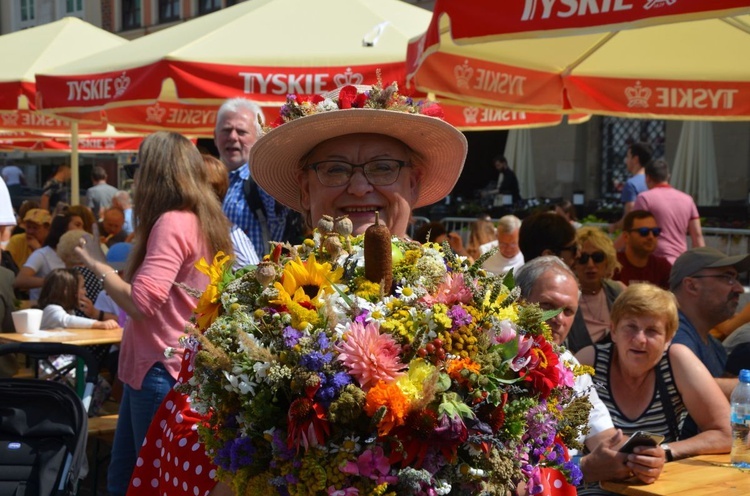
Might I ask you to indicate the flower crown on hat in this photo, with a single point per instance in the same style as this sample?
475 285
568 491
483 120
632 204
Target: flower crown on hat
347 97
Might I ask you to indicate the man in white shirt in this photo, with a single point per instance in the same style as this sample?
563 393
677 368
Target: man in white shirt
509 254
548 281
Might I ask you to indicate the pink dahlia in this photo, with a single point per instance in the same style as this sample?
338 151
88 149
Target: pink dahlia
369 355
452 290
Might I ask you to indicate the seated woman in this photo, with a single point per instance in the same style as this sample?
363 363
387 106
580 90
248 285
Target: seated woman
650 386
594 267
386 158
482 238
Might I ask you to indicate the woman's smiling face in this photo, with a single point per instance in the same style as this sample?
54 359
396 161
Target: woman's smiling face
358 198
640 341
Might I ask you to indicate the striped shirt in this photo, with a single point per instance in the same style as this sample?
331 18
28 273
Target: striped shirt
244 252
238 211
653 418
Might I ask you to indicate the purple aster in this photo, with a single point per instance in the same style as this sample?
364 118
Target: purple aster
291 336
459 316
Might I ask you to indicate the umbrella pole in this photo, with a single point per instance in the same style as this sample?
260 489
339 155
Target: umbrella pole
74 176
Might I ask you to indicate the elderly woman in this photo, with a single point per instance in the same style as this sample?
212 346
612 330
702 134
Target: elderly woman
355 152
594 267
648 385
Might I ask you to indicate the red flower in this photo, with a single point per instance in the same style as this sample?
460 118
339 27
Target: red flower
307 422
493 415
359 101
542 371
433 110
347 94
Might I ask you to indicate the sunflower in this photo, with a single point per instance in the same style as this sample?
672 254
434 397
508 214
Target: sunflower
208 305
312 277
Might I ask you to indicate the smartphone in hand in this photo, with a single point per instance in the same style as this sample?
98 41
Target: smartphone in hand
641 438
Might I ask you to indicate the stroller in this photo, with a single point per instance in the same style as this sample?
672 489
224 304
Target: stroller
43 427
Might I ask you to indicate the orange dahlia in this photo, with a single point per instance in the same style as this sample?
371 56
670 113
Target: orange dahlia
394 401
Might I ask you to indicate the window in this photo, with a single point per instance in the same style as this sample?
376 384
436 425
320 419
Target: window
73 6
208 6
169 10
131 14
27 10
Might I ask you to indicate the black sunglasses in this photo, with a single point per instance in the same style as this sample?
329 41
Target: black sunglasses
643 231
597 257
131 169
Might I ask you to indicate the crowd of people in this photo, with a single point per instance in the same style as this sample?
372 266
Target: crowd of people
640 316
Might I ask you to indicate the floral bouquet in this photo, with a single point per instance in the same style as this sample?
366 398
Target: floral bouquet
371 365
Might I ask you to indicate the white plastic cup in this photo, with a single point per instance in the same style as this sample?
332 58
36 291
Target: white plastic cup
27 321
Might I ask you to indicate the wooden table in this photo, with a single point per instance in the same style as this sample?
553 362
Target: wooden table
80 337
706 475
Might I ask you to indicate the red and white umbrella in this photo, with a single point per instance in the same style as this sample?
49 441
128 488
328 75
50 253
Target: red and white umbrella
23 54
587 63
176 78
85 145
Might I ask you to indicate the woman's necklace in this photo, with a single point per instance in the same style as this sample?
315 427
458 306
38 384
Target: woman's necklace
591 291
588 298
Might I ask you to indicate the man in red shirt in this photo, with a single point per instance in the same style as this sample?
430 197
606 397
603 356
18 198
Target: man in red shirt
639 264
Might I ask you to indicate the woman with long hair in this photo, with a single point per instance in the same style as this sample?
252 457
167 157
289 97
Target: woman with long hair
177 224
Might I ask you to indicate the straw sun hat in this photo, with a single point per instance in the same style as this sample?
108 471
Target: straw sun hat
306 122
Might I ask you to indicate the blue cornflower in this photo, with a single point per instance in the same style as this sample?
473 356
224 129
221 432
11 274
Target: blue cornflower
291 336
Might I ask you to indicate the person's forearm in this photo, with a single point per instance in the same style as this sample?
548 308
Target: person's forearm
731 324
117 289
26 282
706 443
727 385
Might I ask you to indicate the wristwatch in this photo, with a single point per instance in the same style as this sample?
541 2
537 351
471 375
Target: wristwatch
667 452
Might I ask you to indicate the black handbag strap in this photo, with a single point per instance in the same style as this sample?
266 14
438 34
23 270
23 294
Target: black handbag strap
667 405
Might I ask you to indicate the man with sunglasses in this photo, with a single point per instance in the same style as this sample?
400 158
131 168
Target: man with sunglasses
704 281
674 211
641 234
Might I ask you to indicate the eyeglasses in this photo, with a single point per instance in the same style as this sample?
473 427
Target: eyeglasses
730 279
643 231
380 172
131 169
597 257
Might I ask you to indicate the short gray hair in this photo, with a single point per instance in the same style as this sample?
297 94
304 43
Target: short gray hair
508 224
235 105
531 271
123 198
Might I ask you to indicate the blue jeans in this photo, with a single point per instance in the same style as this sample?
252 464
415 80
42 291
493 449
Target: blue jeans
137 408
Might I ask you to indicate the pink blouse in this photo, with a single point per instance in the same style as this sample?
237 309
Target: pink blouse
175 244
